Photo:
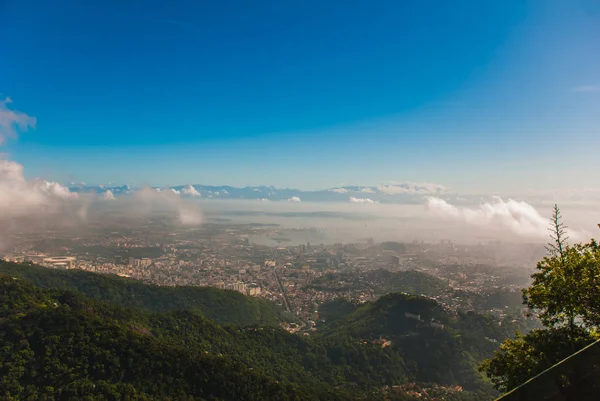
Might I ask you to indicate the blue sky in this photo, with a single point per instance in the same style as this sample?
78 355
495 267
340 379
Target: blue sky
474 95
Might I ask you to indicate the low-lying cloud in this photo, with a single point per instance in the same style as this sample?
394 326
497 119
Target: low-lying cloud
108 195
20 197
34 204
294 199
150 200
190 191
519 217
361 200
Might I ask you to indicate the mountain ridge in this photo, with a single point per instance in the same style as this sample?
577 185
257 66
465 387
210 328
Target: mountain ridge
392 193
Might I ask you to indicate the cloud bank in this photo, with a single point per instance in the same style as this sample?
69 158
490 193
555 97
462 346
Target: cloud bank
190 191
361 200
519 217
20 197
294 199
34 203
108 195
151 200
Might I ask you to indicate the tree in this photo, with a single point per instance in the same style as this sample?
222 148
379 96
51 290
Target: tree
559 287
565 289
565 293
558 234
525 356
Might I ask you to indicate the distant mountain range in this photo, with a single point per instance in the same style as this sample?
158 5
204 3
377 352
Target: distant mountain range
408 193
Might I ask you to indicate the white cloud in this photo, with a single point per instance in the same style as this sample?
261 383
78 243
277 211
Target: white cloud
32 200
265 200
361 200
256 189
13 121
412 189
176 192
108 195
20 197
146 199
587 88
190 191
367 190
519 217
294 199
339 190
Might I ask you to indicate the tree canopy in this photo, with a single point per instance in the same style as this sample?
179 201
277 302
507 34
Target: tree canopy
565 295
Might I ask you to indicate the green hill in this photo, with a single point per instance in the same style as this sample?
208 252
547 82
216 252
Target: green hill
222 306
436 346
382 281
60 344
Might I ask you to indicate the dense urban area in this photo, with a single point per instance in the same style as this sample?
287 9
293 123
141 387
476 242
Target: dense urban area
485 277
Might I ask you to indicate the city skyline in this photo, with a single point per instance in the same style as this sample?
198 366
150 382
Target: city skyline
479 98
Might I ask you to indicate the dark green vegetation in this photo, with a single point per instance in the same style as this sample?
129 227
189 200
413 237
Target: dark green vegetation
222 306
429 353
58 344
575 378
566 294
411 282
383 282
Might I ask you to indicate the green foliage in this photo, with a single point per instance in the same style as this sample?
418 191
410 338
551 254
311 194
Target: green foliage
411 282
520 359
222 306
565 292
384 281
58 344
567 286
445 356
335 309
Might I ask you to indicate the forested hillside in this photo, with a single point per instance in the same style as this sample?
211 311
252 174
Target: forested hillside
59 345
435 346
222 306
62 344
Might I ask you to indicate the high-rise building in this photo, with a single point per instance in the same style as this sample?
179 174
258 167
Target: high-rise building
240 287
